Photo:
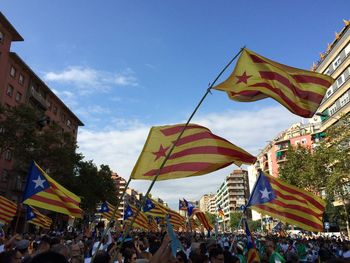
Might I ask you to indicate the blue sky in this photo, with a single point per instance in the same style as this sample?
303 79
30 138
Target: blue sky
124 66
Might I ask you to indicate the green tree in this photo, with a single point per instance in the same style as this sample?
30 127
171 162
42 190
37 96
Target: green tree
235 218
254 225
211 218
326 168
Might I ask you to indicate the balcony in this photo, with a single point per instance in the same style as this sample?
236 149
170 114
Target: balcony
38 99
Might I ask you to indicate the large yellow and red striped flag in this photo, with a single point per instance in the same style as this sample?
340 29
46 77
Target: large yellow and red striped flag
36 218
44 192
8 210
288 203
256 77
198 152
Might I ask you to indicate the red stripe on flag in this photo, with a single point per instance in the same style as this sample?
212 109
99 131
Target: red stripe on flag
308 95
65 198
289 197
311 79
297 218
183 167
296 192
54 203
178 128
213 150
296 207
295 107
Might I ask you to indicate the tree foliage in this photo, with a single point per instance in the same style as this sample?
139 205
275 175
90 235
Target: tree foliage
235 218
325 168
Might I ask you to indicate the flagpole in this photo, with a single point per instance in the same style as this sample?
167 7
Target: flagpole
178 138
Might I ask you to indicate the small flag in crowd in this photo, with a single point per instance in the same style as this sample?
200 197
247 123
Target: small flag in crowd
204 220
141 220
221 212
8 210
252 254
152 208
36 218
288 203
107 210
198 152
182 205
128 212
256 77
44 192
190 207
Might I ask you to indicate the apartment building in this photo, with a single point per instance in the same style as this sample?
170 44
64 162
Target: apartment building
335 61
19 84
204 202
233 193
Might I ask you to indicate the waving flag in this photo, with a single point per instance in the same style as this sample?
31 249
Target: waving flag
190 207
221 212
107 211
182 205
288 203
42 191
8 210
175 242
141 220
177 220
198 152
256 77
203 219
152 208
252 255
36 218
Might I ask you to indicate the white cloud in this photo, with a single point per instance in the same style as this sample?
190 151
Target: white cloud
121 148
88 80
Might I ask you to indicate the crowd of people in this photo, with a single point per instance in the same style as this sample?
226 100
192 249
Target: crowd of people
81 247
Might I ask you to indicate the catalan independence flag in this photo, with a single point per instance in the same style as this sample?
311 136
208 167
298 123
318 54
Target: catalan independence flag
288 203
36 218
177 220
44 192
141 220
197 152
153 208
8 210
256 77
252 254
107 211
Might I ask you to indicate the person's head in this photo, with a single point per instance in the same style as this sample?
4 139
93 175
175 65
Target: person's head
102 257
49 257
45 243
129 256
270 246
181 257
61 249
22 246
216 255
11 256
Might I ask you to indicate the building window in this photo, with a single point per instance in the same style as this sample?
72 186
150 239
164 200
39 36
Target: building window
69 123
303 141
9 91
329 91
13 71
49 104
340 80
344 99
327 71
63 117
336 62
8 155
21 79
54 110
18 96
333 109
5 175
1 37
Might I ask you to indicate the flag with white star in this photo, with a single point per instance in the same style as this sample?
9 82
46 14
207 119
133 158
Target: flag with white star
256 77
197 152
128 212
34 217
287 203
44 192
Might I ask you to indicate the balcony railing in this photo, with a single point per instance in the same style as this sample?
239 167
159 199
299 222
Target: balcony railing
38 98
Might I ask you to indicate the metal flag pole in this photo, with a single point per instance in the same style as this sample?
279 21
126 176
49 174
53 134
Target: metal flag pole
176 141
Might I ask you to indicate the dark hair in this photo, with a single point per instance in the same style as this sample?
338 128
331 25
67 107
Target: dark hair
128 254
197 258
182 255
214 252
102 257
7 256
49 257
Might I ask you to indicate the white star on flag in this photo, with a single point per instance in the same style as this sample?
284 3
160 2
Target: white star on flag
265 194
39 182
